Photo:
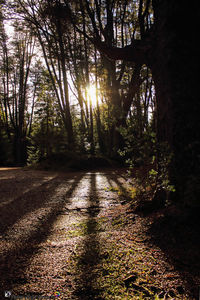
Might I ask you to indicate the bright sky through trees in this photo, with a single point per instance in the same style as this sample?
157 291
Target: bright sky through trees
92 95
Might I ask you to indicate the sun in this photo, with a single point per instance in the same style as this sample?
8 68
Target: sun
92 95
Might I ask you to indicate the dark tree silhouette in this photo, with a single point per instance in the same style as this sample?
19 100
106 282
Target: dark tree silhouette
170 48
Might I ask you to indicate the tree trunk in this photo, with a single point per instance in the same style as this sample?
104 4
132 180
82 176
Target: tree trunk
175 68
68 119
19 148
171 49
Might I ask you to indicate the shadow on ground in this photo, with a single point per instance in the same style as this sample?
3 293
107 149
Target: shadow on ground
177 235
27 202
89 260
15 261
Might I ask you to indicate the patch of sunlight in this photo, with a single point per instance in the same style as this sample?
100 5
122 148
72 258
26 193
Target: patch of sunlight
92 93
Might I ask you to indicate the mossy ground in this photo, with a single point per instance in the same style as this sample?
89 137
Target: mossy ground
76 235
124 266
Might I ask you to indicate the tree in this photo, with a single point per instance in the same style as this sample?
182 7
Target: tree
24 46
60 46
48 22
45 134
15 71
170 49
135 39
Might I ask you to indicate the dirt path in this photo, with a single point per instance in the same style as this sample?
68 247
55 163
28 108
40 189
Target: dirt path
68 236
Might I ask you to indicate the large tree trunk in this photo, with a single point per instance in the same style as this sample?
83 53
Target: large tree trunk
19 148
175 69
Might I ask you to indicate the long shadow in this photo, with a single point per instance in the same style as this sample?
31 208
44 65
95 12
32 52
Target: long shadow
15 261
121 173
124 196
7 189
89 261
178 236
28 202
13 187
9 179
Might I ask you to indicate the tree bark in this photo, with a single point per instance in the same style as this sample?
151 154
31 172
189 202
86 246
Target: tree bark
171 50
70 133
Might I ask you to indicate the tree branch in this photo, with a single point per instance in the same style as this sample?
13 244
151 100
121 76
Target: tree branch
136 52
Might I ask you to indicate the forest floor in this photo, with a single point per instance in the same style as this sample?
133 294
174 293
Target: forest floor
75 236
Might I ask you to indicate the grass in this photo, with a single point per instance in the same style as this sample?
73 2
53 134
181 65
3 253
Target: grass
121 271
123 268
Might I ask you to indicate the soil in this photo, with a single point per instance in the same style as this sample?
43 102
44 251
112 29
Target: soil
74 235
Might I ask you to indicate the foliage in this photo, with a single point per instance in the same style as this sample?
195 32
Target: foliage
148 163
137 150
72 65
